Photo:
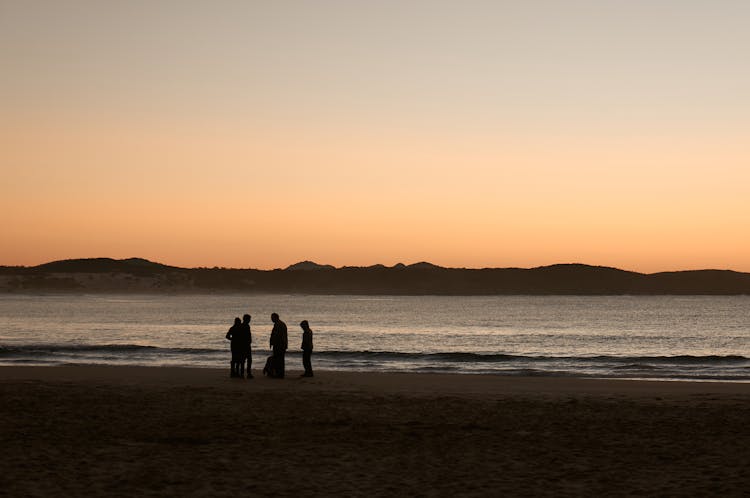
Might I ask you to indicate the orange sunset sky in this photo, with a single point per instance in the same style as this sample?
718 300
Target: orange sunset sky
469 134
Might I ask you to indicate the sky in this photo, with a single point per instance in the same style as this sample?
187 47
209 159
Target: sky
466 133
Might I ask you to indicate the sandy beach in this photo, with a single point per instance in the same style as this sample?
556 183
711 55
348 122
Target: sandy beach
134 431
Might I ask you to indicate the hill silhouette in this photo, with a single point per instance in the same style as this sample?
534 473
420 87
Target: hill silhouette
104 265
307 277
309 265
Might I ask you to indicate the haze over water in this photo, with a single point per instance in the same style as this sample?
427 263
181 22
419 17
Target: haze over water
665 337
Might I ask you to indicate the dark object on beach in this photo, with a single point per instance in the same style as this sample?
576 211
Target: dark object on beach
270 368
307 347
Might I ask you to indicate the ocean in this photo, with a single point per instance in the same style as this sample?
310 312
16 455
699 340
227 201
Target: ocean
661 337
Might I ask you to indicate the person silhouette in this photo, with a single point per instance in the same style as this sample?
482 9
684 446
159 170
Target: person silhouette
307 347
247 338
234 335
278 344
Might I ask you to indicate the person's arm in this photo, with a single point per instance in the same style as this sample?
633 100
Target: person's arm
229 335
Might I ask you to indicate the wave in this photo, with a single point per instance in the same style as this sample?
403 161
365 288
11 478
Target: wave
735 368
501 363
463 357
42 349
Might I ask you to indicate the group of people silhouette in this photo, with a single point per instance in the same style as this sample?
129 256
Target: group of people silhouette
241 339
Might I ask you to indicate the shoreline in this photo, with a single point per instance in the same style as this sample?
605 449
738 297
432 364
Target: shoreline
436 384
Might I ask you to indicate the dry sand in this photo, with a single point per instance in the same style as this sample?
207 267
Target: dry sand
134 431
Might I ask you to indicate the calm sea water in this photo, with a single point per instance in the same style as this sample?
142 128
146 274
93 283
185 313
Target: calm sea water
663 337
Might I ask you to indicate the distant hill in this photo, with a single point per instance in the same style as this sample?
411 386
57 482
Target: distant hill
143 276
104 265
308 266
425 266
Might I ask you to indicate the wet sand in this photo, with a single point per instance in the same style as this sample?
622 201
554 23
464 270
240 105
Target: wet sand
135 431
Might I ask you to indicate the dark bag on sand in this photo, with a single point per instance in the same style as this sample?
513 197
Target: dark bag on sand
270 368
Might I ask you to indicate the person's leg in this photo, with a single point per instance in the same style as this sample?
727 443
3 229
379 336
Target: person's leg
307 363
235 364
250 364
280 365
242 366
278 361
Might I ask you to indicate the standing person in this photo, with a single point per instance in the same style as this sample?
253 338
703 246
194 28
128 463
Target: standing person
278 344
235 337
248 349
307 347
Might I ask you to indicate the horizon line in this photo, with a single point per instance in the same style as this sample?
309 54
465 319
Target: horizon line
396 265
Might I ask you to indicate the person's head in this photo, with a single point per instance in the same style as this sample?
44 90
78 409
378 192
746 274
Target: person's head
246 318
274 317
304 325
237 320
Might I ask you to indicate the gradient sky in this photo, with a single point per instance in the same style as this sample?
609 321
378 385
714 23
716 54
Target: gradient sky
465 133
